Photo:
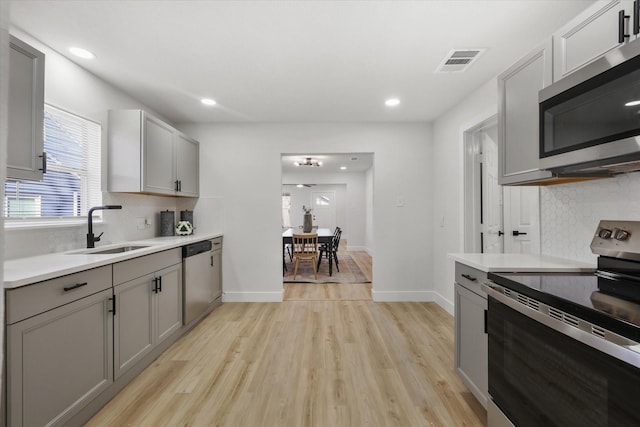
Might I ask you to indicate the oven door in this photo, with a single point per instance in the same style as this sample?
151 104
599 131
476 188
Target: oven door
539 376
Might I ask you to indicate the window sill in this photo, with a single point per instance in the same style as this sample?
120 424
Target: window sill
39 224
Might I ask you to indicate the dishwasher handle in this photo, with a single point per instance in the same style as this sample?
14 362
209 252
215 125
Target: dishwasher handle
196 248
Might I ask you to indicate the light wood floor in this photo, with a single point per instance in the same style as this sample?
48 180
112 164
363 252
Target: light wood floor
304 363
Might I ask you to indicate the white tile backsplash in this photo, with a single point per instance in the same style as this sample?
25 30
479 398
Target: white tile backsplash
569 213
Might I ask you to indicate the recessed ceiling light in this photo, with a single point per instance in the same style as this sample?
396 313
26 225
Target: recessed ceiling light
343 168
81 53
392 102
208 102
632 103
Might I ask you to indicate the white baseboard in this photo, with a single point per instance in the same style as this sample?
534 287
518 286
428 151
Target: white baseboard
252 296
360 248
397 296
444 303
416 296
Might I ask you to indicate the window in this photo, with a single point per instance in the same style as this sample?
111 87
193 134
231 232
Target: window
72 181
286 210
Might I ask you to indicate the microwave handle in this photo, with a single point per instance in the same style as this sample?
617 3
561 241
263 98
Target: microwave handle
621 27
636 18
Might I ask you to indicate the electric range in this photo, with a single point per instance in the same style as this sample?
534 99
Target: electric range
564 348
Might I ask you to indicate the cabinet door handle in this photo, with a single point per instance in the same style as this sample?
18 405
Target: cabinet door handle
486 312
76 286
621 30
517 233
44 162
179 185
211 260
636 17
160 284
500 233
469 277
155 285
177 188
113 305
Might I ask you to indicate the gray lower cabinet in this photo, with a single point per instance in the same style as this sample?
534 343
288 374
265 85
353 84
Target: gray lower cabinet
148 307
471 341
59 360
216 269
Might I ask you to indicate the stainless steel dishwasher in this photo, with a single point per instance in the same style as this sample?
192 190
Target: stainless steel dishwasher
197 271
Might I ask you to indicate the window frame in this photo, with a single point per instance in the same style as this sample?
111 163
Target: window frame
11 223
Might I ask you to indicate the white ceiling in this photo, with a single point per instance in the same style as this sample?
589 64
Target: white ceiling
293 61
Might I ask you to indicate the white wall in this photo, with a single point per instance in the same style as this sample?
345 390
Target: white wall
4 96
244 172
302 197
355 208
447 178
74 89
368 225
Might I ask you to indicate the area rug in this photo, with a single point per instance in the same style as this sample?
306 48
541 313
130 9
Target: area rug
349 272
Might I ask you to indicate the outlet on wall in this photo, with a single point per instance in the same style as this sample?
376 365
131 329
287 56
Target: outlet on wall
142 223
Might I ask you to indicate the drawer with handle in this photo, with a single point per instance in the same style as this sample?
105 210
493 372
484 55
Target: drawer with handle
39 297
469 277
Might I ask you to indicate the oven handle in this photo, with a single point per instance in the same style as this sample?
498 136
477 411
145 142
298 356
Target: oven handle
585 332
616 276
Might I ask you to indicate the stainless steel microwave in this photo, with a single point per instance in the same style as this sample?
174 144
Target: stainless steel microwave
590 120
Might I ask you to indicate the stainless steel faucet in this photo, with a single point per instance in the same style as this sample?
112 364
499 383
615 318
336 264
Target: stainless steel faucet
91 239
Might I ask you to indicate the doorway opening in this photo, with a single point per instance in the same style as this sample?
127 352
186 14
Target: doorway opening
338 195
497 218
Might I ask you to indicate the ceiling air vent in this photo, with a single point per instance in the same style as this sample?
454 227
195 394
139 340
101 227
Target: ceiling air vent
458 60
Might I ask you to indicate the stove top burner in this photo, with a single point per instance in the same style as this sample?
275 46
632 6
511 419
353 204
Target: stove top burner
577 294
610 297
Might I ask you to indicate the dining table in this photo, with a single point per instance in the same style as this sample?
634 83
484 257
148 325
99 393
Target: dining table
324 236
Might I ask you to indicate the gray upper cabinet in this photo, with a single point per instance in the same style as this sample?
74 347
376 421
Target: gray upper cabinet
158 159
590 35
187 161
147 155
25 143
518 142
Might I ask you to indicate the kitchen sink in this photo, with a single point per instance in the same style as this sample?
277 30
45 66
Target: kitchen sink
112 250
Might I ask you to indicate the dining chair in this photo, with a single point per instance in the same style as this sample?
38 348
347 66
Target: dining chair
330 250
305 247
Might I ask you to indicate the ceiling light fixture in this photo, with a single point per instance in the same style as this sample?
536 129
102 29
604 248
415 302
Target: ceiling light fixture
343 168
299 185
208 102
81 53
309 162
632 103
392 102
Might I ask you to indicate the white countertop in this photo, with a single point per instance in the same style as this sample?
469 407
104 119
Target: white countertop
522 263
23 271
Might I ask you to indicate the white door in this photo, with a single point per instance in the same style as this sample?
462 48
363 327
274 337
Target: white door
521 220
491 205
324 209
491 210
